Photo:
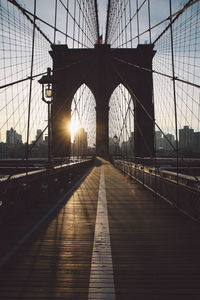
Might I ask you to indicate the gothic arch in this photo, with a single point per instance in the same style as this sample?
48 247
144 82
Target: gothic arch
83 119
121 121
102 69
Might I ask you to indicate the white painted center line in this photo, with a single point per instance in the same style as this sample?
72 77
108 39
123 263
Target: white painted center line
101 284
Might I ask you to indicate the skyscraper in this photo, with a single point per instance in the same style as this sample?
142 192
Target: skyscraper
39 136
12 137
80 142
186 138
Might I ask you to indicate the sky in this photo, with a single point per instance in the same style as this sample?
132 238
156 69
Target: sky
20 64
46 11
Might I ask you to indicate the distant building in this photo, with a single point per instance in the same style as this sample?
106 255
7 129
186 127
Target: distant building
12 137
197 141
3 150
39 136
129 145
158 140
168 142
125 147
114 145
111 145
131 142
186 138
80 145
46 139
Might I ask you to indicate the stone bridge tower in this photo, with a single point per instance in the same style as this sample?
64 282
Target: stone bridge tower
102 69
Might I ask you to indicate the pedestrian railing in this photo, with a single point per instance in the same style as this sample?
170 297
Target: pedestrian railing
181 190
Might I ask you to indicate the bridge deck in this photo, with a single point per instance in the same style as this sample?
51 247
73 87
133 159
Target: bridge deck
148 251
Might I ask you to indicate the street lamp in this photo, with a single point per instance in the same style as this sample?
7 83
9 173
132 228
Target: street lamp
47 97
115 138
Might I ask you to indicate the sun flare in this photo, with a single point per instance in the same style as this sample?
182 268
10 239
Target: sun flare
74 127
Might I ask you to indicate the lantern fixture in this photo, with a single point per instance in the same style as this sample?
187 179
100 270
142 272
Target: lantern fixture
115 138
48 91
47 97
47 81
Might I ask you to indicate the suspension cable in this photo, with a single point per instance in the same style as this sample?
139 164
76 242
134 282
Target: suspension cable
97 21
154 71
31 80
107 21
14 2
141 105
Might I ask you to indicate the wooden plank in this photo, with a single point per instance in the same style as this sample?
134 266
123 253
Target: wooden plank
56 262
155 249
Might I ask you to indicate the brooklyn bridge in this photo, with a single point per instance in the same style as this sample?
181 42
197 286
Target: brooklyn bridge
100 149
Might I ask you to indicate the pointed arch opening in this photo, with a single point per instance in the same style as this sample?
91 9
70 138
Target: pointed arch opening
121 122
83 122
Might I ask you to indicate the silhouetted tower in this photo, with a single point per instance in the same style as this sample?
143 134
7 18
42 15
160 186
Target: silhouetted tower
102 69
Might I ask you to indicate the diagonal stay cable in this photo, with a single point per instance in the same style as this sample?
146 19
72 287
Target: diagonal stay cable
118 19
27 13
147 113
124 116
155 72
88 21
14 2
60 109
130 20
70 14
107 21
44 73
136 123
71 94
76 107
177 13
97 21
176 16
140 104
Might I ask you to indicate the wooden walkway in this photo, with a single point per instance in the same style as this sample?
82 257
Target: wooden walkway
148 250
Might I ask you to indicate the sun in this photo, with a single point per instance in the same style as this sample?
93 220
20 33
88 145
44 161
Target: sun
74 127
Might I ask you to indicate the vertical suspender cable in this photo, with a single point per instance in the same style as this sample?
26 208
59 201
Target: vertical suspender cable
174 91
107 22
131 35
97 21
138 29
55 22
149 17
86 27
31 82
74 22
79 22
83 24
67 17
121 21
125 24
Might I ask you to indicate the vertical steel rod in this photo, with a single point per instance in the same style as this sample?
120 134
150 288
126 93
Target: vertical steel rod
74 22
130 24
97 21
107 22
174 91
55 21
138 28
31 83
149 16
49 136
67 17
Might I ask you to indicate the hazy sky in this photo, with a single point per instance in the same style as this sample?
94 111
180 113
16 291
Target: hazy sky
46 11
14 100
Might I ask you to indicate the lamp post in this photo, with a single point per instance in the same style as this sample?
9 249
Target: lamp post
115 138
47 97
